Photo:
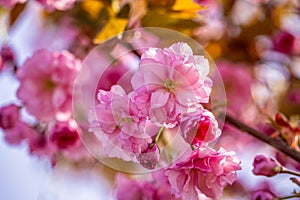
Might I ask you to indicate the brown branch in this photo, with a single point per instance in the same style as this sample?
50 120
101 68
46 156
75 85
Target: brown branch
278 144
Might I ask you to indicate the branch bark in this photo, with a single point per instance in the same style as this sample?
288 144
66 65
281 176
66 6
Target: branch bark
277 143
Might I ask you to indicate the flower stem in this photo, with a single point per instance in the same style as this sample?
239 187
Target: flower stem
157 136
287 171
274 142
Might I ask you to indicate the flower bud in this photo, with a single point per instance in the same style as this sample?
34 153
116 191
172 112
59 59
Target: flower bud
265 166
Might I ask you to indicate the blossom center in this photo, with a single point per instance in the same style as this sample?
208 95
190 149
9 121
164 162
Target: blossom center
170 85
49 85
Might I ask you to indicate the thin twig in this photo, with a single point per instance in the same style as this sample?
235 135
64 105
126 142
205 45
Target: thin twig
287 171
274 142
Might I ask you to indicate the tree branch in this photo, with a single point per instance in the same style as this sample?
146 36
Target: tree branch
278 144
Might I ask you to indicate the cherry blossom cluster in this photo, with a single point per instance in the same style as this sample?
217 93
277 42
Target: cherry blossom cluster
45 91
168 91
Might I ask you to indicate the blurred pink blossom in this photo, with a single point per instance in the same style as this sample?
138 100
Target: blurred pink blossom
176 79
206 171
154 189
46 83
7 54
7 57
265 166
57 4
111 76
263 194
283 42
40 146
134 190
237 81
9 116
15 131
19 133
198 127
10 3
64 134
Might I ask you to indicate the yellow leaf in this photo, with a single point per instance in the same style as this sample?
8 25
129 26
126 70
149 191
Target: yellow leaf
181 5
92 7
113 26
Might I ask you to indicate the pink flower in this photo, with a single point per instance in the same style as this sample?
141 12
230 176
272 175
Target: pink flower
162 185
198 127
283 42
59 138
40 146
15 131
122 134
46 83
134 190
9 116
263 191
64 134
263 194
155 189
265 166
57 4
176 79
149 157
19 133
140 102
111 76
10 3
237 81
7 54
206 171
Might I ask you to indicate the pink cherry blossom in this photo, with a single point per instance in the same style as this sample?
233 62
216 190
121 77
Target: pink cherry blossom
149 157
15 131
154 189
198 127
122 134
57 4
46 83
40 146
237 81
206 171
176 79
9 116
263 191
140 102
134 190
59 138
111 76
7 54
283 42
162 185
10 3
263 194
265 166
64 134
